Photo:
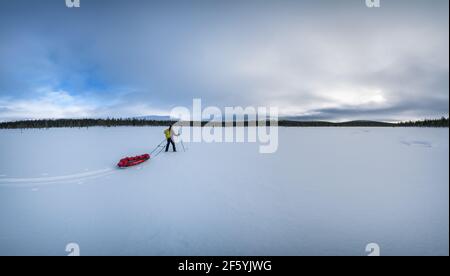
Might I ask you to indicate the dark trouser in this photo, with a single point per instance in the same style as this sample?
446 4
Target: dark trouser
170 141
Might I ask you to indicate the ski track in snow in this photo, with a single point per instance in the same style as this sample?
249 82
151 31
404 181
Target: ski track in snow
42 181
361 131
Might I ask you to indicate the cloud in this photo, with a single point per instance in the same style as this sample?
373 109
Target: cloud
50 104
336 58
59 104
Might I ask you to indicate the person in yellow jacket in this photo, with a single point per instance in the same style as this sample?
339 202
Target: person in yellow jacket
169 133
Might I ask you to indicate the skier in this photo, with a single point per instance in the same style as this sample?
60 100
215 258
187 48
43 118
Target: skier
169 133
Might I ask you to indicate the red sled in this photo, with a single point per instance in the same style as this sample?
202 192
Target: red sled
133 161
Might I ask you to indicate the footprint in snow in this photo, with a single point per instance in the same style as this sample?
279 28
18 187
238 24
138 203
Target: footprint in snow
424 144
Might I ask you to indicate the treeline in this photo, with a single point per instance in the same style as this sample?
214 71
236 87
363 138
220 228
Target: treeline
85 123
443 122
81 123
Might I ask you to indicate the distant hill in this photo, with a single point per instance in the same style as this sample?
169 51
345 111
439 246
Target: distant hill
359 123
154 118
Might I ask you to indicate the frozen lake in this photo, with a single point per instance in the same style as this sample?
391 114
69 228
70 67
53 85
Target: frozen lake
326 191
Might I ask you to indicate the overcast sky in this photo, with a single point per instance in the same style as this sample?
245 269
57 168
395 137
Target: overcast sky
316 59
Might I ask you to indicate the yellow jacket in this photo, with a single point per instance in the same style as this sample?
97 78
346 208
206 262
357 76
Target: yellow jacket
168 133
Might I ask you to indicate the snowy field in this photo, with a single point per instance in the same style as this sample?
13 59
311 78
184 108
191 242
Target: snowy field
327 191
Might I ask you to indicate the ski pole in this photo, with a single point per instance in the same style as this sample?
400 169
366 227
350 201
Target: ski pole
157 147
181 140
182 144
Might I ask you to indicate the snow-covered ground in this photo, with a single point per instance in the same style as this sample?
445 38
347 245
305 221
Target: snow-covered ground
326 191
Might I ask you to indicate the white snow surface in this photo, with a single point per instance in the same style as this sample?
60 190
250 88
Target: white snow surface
326 191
